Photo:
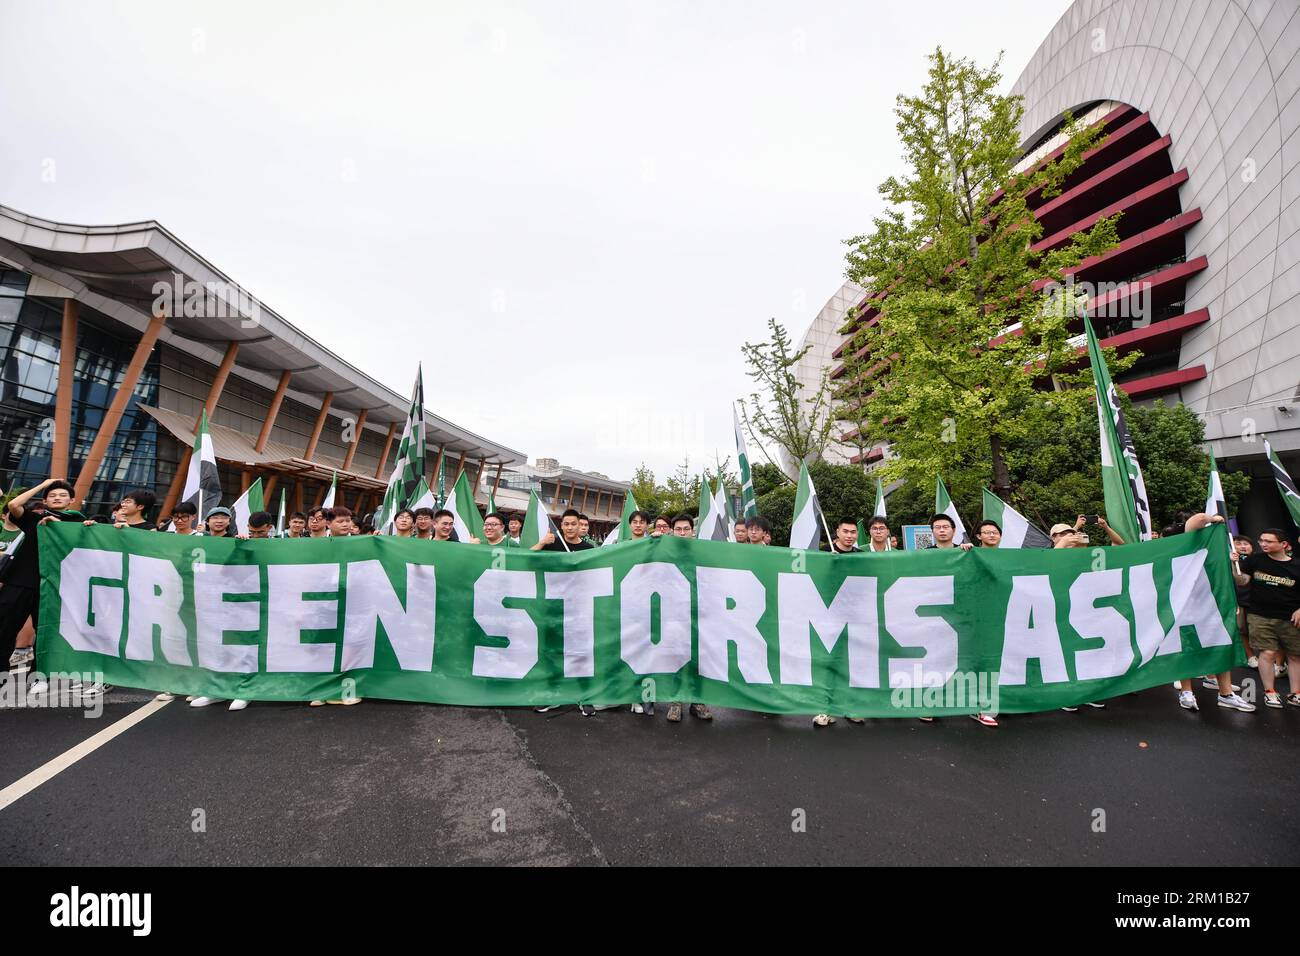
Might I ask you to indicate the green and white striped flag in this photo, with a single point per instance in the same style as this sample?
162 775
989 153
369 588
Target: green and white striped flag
537 523
1017 530
423 496
442 479
748 503
246 504
1215 503
468 522
491 503
704 507
712 524
1285 484
279 522
806 527
943 506
1127 508
202 483
329 495
880 500
408 469
622 531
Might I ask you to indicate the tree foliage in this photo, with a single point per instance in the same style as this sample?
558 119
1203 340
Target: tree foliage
1056 467
963 334
777 414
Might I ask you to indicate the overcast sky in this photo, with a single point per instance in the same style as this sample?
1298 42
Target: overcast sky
573 212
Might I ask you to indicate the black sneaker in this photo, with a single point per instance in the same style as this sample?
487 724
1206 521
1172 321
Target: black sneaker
587 710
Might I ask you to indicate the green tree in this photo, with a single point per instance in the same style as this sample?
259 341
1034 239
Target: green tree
962 337
767 477
1056 467
647 492
778 415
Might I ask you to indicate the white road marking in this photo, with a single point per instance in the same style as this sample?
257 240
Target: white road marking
24 786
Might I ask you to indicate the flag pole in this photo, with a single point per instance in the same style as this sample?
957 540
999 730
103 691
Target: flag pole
830 542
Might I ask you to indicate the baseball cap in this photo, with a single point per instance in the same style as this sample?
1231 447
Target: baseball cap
1058 528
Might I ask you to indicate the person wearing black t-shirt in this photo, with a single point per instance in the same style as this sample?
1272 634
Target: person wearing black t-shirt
846 538
570 530
20 596
1274 616
131 512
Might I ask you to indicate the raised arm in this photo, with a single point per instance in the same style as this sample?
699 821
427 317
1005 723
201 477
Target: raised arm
16 505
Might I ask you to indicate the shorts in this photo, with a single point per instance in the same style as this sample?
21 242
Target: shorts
1271 634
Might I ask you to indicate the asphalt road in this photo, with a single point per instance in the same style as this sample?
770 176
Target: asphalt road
394 783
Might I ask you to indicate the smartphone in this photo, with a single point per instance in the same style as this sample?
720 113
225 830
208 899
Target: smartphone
1091 519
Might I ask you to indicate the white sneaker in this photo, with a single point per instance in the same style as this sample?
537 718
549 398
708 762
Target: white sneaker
823 720
21 656
638 709
205 701
1178 685
1187 701
1212 684
237 704
1236 703
1252 662
37 687
164 697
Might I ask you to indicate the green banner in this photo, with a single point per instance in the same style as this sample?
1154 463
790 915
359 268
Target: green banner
899 634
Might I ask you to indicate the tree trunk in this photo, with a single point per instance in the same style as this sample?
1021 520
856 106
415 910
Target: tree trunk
1001 477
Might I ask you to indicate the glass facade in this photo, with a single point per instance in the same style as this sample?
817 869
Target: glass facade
30 339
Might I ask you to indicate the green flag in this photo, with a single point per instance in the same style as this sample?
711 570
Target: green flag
806 526
279 522
247 504
705 505
468 522
1285 485
1127 510
943 506
748 503
880 500
423 496
537 523
202 482
623 530
409 466
1017 530
1214 500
